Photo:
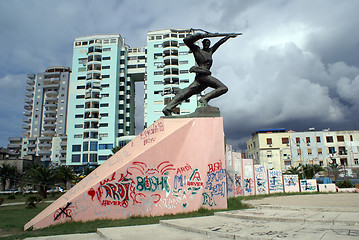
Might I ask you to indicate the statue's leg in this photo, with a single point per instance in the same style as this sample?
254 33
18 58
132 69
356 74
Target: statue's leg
219 89
183 94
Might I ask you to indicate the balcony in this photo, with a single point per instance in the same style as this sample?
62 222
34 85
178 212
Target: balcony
49 119
49 106
44 145
50 113
28 100
45 138
28 113
49 132
29 88
44 153
51 99
14 146
30 82
26 126
31 145
26 120
49 125
51 93
29 94
28 107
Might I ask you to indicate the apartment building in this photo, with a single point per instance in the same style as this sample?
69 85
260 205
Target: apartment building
102 96
45 117
168 64
278 149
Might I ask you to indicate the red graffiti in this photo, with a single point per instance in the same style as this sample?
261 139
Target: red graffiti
92 193
108 179
214 167
186 168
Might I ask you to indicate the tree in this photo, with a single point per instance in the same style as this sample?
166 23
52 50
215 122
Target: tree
8 173
42 178
294 170
334 169
65 174
310 170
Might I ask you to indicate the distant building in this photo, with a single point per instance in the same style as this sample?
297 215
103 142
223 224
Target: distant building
168 64
278 149
45 117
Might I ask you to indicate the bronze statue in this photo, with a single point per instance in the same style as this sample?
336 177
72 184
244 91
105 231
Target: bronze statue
203 79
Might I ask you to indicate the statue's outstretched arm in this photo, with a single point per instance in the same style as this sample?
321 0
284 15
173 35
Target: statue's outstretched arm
221 41
191 39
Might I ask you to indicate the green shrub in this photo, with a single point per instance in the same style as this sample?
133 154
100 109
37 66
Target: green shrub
1 200
344 184
11 196
32 201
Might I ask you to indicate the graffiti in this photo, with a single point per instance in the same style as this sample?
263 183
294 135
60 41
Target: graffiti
208 200
275 181
152 183
186 168
238 189
261 179
291 183
195 179
309 185
248 185
216 182
215 166
65 212
148 135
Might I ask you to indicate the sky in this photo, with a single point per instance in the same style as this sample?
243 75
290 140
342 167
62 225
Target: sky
296 66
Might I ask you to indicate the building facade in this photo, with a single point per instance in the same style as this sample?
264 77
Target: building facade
168 64
278 149
102 97
45 117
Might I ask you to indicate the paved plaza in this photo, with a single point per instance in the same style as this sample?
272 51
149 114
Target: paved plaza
317 216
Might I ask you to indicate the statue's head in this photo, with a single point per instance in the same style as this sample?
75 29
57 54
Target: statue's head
206 43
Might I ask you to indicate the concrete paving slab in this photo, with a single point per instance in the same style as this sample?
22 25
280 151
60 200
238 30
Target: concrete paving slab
155 231
85 236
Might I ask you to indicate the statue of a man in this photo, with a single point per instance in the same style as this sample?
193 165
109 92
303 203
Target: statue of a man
203 79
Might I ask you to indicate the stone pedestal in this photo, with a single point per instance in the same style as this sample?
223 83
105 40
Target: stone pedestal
176 165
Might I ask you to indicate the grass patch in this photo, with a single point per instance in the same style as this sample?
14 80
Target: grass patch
23 197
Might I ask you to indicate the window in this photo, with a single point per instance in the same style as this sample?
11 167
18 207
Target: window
78 125
329 139
269 154
158 82
183 71
85 157
318 139
331 150
183 62
105 95
76 148
85 146
285 140
307 139
158 73
342 151
81 87
343 161
105 146
80 106
81 78
76 158
105 85
340 138
106 49
356 162
269 141
320 151
299 152
80 96
105 67
309 151
93 146
79 116
78 136
297 140
103 125
351 138
106 58
105 76
185 81
103 157
104 114
93 157
104 105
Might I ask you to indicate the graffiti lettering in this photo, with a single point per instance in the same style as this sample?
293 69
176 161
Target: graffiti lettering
186 168
179 181
152 183
195 179
215 167
148 140
63 212
248 185
153 129
216 182
208 200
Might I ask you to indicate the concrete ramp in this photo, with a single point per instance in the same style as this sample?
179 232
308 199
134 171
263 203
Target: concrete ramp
174 166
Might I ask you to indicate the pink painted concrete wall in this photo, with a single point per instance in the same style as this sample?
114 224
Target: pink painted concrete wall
238 175
174 166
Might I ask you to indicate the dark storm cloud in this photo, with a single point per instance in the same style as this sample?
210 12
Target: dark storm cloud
295 66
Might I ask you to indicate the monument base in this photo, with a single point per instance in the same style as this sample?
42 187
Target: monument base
205 111
176 165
